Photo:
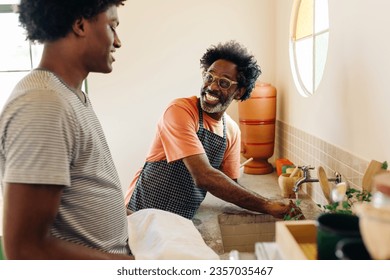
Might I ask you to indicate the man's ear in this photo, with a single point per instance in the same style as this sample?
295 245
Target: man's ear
240 93
78 27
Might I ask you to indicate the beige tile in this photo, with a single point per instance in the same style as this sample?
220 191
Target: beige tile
305 149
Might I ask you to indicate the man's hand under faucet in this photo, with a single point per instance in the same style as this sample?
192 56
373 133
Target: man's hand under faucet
288 211
295 212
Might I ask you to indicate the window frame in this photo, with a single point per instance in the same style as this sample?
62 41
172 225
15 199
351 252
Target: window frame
11 7
301 86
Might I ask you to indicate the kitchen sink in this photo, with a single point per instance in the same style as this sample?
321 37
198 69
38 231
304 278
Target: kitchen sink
240 231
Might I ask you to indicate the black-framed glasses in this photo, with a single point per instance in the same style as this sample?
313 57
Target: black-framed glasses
222 82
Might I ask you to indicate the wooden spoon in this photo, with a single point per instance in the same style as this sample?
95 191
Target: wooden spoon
295 171
323 179
373 168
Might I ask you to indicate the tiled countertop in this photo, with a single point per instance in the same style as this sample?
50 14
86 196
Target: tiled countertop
206 219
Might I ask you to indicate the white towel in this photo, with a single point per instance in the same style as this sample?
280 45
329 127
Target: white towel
160 235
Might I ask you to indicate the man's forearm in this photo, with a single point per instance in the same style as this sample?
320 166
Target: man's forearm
57 249
221 186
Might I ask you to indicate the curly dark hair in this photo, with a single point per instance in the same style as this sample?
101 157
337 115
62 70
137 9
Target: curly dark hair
248 70
49 20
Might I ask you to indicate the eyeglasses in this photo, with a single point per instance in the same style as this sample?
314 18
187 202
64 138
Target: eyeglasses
223 83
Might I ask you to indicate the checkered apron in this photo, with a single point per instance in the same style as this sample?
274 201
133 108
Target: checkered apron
169 186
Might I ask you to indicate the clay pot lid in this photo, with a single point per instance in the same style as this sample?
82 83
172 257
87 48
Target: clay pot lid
263 89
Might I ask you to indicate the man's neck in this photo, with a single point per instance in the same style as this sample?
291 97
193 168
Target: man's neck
59 58
215 116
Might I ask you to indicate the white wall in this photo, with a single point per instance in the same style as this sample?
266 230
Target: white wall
162 43
351 107
164 40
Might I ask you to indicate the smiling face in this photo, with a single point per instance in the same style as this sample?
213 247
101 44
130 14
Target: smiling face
102 41
215 99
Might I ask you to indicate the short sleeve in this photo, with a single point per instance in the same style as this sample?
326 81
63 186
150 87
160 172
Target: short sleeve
38 135
177 130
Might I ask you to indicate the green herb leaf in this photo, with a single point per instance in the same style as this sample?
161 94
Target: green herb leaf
352 196
345 205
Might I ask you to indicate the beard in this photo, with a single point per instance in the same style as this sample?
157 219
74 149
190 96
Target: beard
220 107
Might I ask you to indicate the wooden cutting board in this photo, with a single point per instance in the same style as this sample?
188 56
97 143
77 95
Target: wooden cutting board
323 179
374 167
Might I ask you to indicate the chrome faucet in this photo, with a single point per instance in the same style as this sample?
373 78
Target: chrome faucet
307 179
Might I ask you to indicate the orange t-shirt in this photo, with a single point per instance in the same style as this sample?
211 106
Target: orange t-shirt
176 138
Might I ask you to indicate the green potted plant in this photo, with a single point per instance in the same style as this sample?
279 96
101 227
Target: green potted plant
345 207
352 196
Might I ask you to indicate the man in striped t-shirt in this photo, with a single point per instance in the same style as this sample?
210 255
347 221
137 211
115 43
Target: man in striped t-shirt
62 195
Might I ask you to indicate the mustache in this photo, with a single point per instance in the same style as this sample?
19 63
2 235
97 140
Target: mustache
212 92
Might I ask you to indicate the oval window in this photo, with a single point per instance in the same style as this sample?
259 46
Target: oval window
309 36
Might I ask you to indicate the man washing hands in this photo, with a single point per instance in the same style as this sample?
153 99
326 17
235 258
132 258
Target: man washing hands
197 145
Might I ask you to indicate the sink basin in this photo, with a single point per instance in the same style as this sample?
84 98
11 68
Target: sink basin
240 231
225 226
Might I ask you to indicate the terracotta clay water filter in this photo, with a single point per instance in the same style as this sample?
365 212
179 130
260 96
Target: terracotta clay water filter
257 117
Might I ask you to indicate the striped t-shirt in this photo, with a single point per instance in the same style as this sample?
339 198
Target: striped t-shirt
50 135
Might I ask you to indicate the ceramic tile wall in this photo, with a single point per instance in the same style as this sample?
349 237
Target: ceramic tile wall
304 149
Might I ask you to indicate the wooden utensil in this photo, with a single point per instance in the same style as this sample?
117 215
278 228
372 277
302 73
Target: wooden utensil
246 162
323 179
295 171
373 168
